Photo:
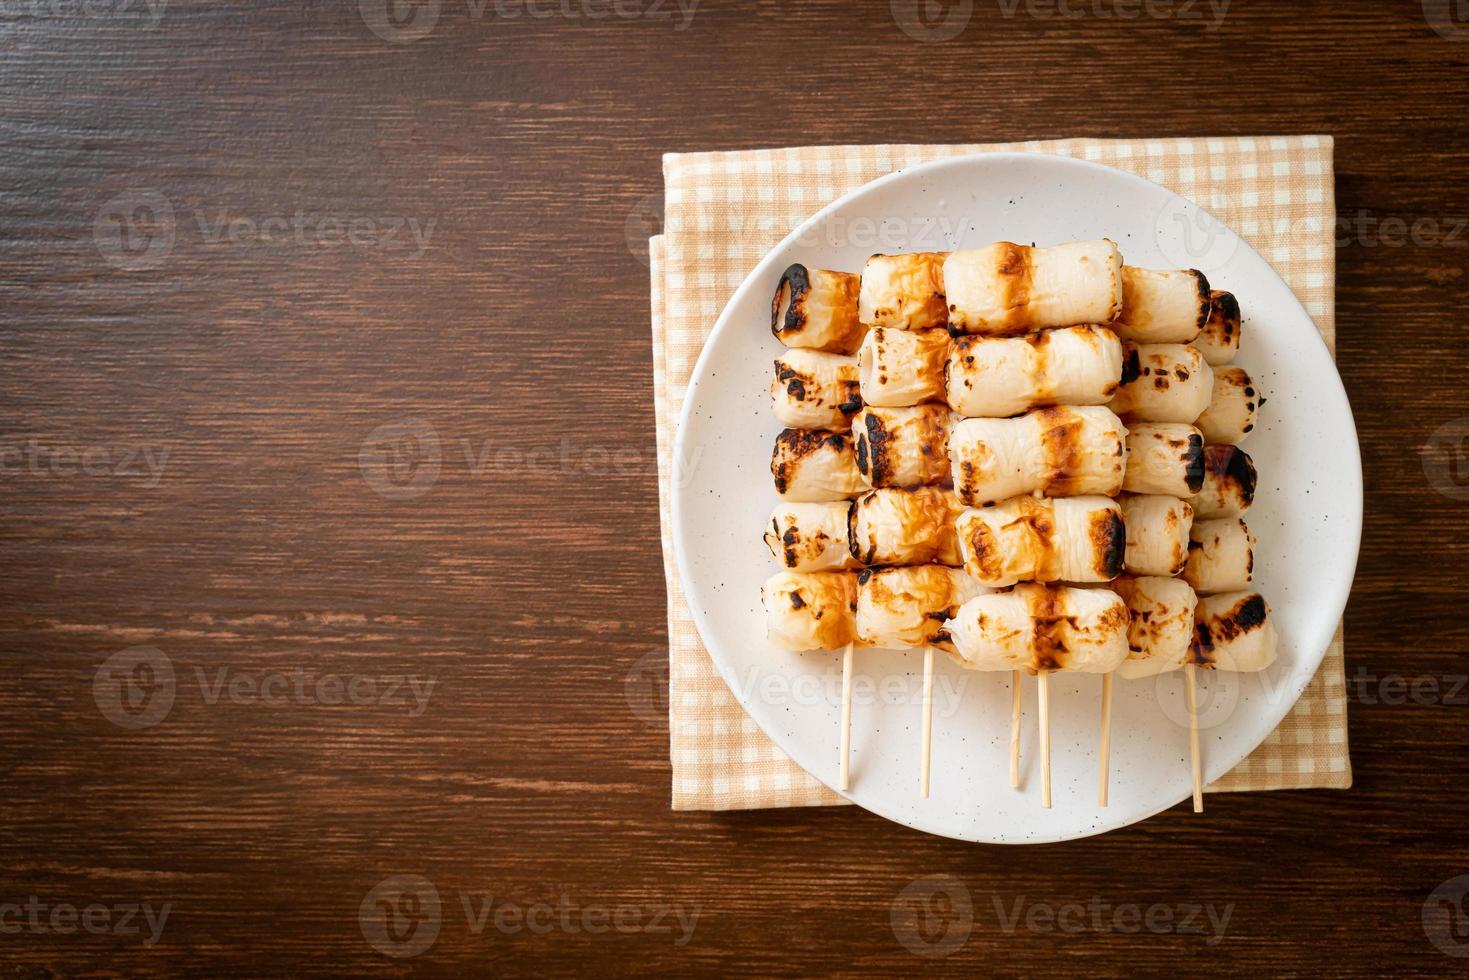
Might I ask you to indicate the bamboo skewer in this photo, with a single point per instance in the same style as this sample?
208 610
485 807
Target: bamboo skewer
1193 736
927 720
1045 723
1106 749
846 716
1015 728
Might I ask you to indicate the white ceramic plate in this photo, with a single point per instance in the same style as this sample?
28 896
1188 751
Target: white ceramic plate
1307 516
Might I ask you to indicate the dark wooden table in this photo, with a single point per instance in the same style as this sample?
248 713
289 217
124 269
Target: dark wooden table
320 320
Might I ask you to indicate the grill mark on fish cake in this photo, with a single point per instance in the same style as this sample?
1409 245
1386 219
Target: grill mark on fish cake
1206 300
1040 367
852 546
1013 271
1047 643
793 446
1061 446
1194 461
1132 367
988 559
1201 647
1234 471
792 541
1108 538
875 437
796 384
1244 617
1227 307
795 283
1040 523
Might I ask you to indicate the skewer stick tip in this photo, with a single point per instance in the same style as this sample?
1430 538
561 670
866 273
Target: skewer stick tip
1015 705
1044 689
1195 764
846 734
927 722
1104 753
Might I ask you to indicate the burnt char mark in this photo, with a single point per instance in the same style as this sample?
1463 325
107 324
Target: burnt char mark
796 388
1061 442
879 452
985 551
1206 299
794 445
796 601
1201 648
853 404
852 547
1013 270
1251 612
865 575
1132 367
1239 470
1248 614
1048 642
1110 542
1226 307
1193 463
795 283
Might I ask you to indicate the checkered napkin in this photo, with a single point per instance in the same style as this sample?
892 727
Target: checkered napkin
724 211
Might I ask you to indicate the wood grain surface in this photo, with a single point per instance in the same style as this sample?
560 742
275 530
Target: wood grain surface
257 431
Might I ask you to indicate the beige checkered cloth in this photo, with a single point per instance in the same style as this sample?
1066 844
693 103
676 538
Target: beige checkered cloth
724 211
